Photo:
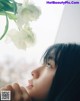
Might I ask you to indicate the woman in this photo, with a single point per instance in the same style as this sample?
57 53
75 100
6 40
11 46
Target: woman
58 79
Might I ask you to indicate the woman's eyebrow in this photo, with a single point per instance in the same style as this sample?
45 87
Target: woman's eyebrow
48 61
50 58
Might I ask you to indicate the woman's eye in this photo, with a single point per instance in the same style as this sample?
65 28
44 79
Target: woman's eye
49 65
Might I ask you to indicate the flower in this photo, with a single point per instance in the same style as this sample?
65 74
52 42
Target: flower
23 38
26 14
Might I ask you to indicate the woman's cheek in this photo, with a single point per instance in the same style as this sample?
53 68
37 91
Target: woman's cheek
41 85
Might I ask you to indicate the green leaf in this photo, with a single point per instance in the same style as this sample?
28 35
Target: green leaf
15 6
1 5
11 16
2 13
9 5
6 27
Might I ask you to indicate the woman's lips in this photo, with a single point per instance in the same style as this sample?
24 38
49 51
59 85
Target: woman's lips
30 84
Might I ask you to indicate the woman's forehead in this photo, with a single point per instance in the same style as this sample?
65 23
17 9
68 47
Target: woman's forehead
49 55
53 53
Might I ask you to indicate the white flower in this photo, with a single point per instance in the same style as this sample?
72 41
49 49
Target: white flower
23 38
27 13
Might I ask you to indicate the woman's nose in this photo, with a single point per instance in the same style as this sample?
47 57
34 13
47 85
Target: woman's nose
35 73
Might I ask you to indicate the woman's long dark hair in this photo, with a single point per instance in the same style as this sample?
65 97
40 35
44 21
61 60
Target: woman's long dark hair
66 83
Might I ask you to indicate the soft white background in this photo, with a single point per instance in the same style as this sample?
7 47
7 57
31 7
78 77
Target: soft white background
45 30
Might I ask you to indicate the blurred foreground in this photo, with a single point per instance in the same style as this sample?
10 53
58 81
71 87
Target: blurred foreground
12 70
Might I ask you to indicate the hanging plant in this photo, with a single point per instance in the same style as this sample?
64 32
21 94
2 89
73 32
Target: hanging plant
22 15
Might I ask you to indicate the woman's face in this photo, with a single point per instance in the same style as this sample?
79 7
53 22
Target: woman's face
41 81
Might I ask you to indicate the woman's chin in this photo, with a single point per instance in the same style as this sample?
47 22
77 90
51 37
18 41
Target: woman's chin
29 89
